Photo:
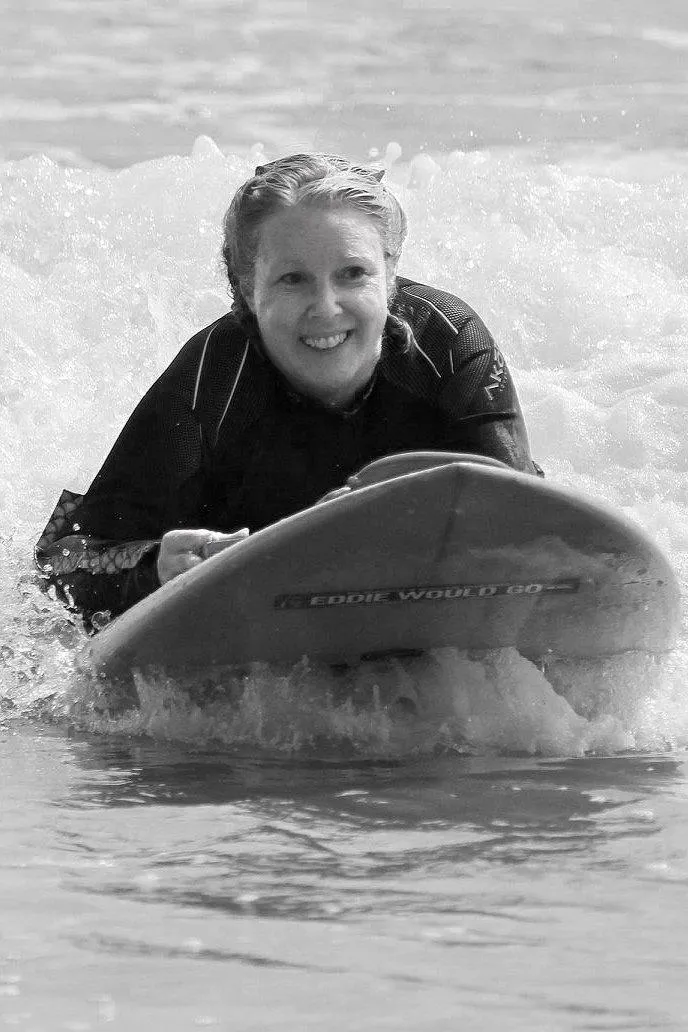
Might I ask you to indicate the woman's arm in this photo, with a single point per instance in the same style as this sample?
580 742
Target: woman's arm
100 550
476 394
482 405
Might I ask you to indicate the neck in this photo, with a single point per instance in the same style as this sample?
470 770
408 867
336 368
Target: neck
345 402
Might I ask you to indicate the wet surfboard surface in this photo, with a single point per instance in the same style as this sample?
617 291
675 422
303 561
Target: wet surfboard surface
428 550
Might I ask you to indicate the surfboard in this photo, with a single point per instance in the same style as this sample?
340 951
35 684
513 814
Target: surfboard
426 550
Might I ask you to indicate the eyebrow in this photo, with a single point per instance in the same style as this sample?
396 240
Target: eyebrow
300 264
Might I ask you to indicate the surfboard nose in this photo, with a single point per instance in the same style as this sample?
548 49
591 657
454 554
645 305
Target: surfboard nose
402 463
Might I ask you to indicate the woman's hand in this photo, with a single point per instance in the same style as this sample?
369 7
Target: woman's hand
181 550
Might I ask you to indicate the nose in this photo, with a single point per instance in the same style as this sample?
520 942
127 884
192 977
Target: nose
325 299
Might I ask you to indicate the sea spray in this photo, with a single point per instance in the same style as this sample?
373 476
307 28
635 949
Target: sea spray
444 702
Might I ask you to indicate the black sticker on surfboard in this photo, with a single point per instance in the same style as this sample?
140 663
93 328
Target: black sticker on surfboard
424 593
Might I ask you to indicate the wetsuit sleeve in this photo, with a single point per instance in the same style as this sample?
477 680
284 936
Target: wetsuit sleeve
480 400
99 550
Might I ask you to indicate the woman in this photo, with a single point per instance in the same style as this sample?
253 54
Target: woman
326 361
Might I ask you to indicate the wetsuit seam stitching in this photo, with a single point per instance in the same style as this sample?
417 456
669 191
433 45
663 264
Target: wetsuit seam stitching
438 311
428 359
201 365
233 390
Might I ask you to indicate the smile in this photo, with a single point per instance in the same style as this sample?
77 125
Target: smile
326 343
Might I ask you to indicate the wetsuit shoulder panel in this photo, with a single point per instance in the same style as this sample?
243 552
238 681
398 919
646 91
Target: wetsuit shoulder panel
474 388
194 363
450 331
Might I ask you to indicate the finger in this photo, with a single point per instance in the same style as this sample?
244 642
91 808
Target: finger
218 542
171 566
184 538
187 540
186 561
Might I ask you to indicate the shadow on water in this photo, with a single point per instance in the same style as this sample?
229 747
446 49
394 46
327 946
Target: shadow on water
537 796
153 773
317 840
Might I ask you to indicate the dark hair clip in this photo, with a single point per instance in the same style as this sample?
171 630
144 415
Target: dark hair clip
377 174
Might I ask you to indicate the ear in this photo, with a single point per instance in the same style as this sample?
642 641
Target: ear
391 274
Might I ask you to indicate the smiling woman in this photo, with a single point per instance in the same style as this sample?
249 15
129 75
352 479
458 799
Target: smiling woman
319 295
327 361
312 245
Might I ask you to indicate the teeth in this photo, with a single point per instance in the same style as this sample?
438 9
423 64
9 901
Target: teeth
325 343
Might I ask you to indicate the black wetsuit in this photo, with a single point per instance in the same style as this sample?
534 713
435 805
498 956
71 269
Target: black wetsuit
221 441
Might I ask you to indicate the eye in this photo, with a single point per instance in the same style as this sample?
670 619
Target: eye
353 272
291 279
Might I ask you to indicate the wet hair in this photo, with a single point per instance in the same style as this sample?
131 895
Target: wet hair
317 179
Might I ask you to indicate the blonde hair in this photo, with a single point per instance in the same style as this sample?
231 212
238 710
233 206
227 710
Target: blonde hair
303 179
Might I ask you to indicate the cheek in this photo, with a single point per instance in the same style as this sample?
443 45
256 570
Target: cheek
270 311
283 313
377 307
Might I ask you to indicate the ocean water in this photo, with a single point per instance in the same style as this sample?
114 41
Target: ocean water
116 82
515 854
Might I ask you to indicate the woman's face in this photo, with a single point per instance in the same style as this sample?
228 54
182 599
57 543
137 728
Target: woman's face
320 298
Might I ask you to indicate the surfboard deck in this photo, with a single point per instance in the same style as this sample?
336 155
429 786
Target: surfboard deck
429 550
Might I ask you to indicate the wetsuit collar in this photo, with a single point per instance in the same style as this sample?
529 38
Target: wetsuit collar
303 401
